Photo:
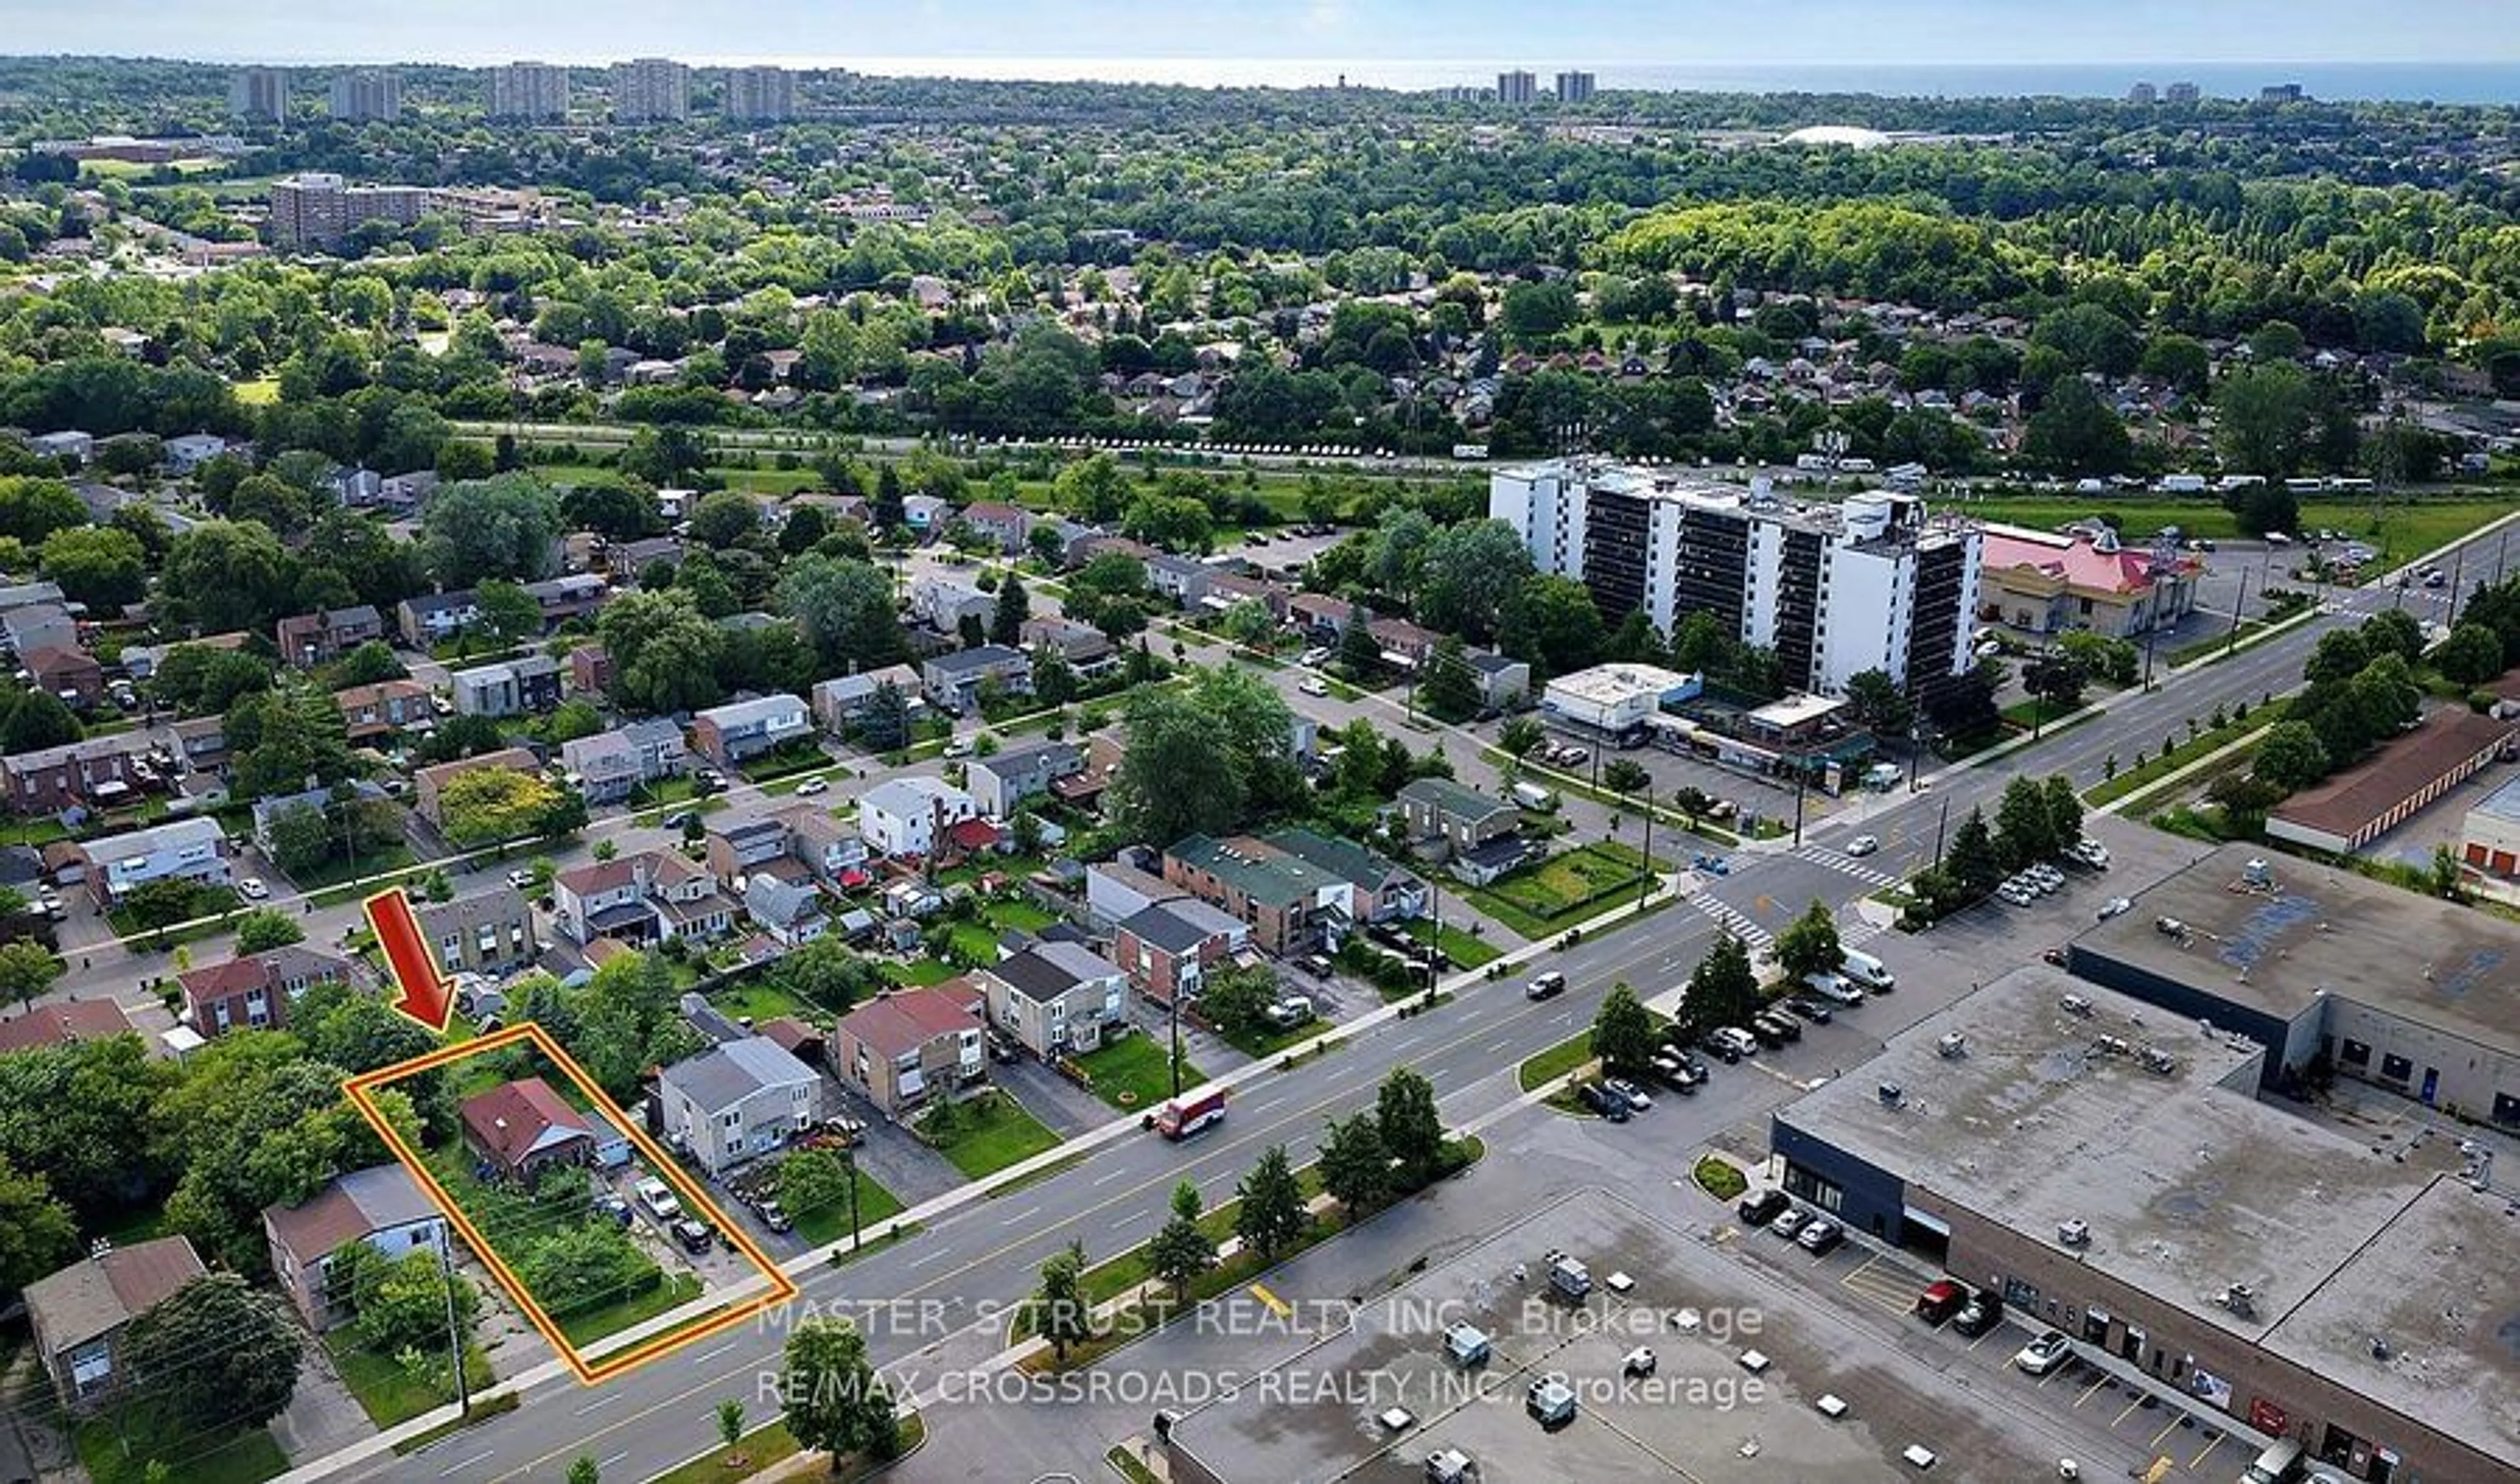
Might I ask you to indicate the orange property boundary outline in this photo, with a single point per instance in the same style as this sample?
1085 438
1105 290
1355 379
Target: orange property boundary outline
782 1287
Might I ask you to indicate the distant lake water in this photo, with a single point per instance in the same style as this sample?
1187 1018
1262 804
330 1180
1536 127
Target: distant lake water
2438 83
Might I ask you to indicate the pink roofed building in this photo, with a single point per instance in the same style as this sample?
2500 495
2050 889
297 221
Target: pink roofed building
2038 583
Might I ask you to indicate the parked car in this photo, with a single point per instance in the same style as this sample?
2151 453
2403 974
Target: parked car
1601 1100
659 1200
1767 1032
775 1216
1288 1012
2044 1354
1637 1098
2114 906
1834 988
1674 1074
1546 986
692 1235
1638 1362
250 889
2016 893
1712 864
1786 1027
812 786
1941 1300
2090 853
1816 1010
2055 953
1983 1312
1313 685
2049 878
1760 1207
521 878
1789 1221
1819 1235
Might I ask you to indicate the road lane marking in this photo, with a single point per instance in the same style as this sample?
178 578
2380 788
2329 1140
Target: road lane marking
455 1469
932 1256
606 1400
1276 1306
1107 1179
710 1355
1022 1216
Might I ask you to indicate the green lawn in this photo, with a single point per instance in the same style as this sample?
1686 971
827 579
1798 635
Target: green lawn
986 1135
2404 530
1133 1073
2131 778
114 1457
336 871
678 1289
2202 649
1560 891
876 1206
40 831
390 1394
920 971
1018 913
258 393
1465 951
1544 1067
760 1000
973 942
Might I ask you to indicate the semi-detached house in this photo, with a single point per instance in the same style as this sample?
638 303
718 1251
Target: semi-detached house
736 1102
904 1046
729 735
192 850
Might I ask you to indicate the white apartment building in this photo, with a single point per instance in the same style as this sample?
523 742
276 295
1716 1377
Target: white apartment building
760 93
366 95
259 94
533 91
650 90
1870 583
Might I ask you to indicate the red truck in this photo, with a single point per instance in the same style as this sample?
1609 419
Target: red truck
1183 1116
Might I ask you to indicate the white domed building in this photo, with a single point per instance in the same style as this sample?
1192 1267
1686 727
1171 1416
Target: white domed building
1845 136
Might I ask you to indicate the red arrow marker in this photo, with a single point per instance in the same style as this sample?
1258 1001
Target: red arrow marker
423 996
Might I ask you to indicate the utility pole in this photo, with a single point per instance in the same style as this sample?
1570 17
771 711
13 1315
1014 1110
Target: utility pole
2238 604
1939 824
1801 778
454 1329
849 1165
1647 889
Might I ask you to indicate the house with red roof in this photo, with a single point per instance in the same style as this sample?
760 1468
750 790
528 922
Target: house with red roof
253 992
904 1046
2039 583
62 1022
522 1128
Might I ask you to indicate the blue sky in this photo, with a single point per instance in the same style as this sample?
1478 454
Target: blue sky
1681 31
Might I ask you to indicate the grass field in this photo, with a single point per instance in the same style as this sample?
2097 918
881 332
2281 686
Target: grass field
115 1457
1133 1075
986 1135
759 1000
876 1206
2133 779
678 1289
1467 952
2404 530
390 1393
765 1447
1560 891
1544 1067
258 393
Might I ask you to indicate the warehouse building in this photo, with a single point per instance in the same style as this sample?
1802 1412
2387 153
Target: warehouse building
2328 972
2107 1169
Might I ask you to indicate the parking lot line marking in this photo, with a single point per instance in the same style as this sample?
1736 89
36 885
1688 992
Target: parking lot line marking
1981 1340
2095 1386
2129 1410
2060 1369
2168 1427
2212 1443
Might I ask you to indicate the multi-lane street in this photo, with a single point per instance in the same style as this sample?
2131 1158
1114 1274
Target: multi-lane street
945 1291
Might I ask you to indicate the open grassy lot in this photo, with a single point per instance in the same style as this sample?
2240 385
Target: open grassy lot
984 1135
1465 951
118 1449
1133 1075
876 1206
390 1393
1562 891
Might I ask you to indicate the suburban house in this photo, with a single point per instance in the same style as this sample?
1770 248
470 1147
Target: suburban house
926 514
1297 890
1403 644
905 815
1502 683
254 992
1057 999
431 617
191 850
204 741
1168 948
383 1207
95 772
38 626
187 453
609 766
1087 649
791 913
269 811
78 1316
369 712
1004 780
489 932
727 735
739 844
830 850
737 1100
1183 579
1320 614
429 784
1462 818
573 596
628 558
308 640
1008 526
590 670
1125 885
943 602
525 687
523 1128
63 1022
953 680
650 896
842 700
904 1044
73 674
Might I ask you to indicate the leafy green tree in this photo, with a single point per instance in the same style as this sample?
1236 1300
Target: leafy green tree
1876 703
36 720
576 1268
79 1115
886 726
725 517
1182 1251
1468 575
2025 826
608 507
37 1233
1412 1128
1358 653
2265 415
664 654
1062 1314
2065 810
1272 1216
2290 756
1810 945
1623 1030
2471 655
98 566
265 929
730 1422
584 1471
1237 998
1356 1167
371 663
1450 689
509 613
846 610
830 1396
1552 623
1520 733
2075 432
1723 988
503 526
33 509
1625 776
400 1303
217 1353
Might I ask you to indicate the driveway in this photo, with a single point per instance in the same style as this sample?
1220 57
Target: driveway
322 1414
893 1157
1065 1108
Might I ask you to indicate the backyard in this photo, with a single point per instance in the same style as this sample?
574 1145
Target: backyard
986 1134
1133 1074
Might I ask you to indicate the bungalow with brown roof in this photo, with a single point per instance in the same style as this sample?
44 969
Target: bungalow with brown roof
903 1047
1005 524
383 1207
308 640
63 1022
74 675
522 1128
369 712
78 1314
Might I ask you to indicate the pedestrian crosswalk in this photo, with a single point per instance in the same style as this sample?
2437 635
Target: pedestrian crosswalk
1735 922
1822 855
1854 931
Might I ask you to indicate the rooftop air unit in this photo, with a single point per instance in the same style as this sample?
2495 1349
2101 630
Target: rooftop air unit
2076 1004
2074 1233
1952 1046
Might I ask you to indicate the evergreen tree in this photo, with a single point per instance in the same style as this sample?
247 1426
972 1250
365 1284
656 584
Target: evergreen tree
1973 863
1272 1216
1622 1031
1062 1313
1412 1129
1015 606
1450 689
1722 990
1183 1251
1358 655
888 511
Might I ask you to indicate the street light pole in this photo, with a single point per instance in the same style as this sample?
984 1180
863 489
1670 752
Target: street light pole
2238 606
454 1327
1647 889
1939 824
849 1164
1801 778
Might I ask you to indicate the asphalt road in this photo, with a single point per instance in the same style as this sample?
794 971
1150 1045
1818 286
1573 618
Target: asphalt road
987 1255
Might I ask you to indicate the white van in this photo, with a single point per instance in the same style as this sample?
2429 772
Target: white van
1533 796
1866 969
2280 1463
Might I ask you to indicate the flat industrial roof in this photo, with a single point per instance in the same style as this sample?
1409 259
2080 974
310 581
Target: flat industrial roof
1314 1416
2186 1184
1611 683
2440 1287
2317 931
2504 803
